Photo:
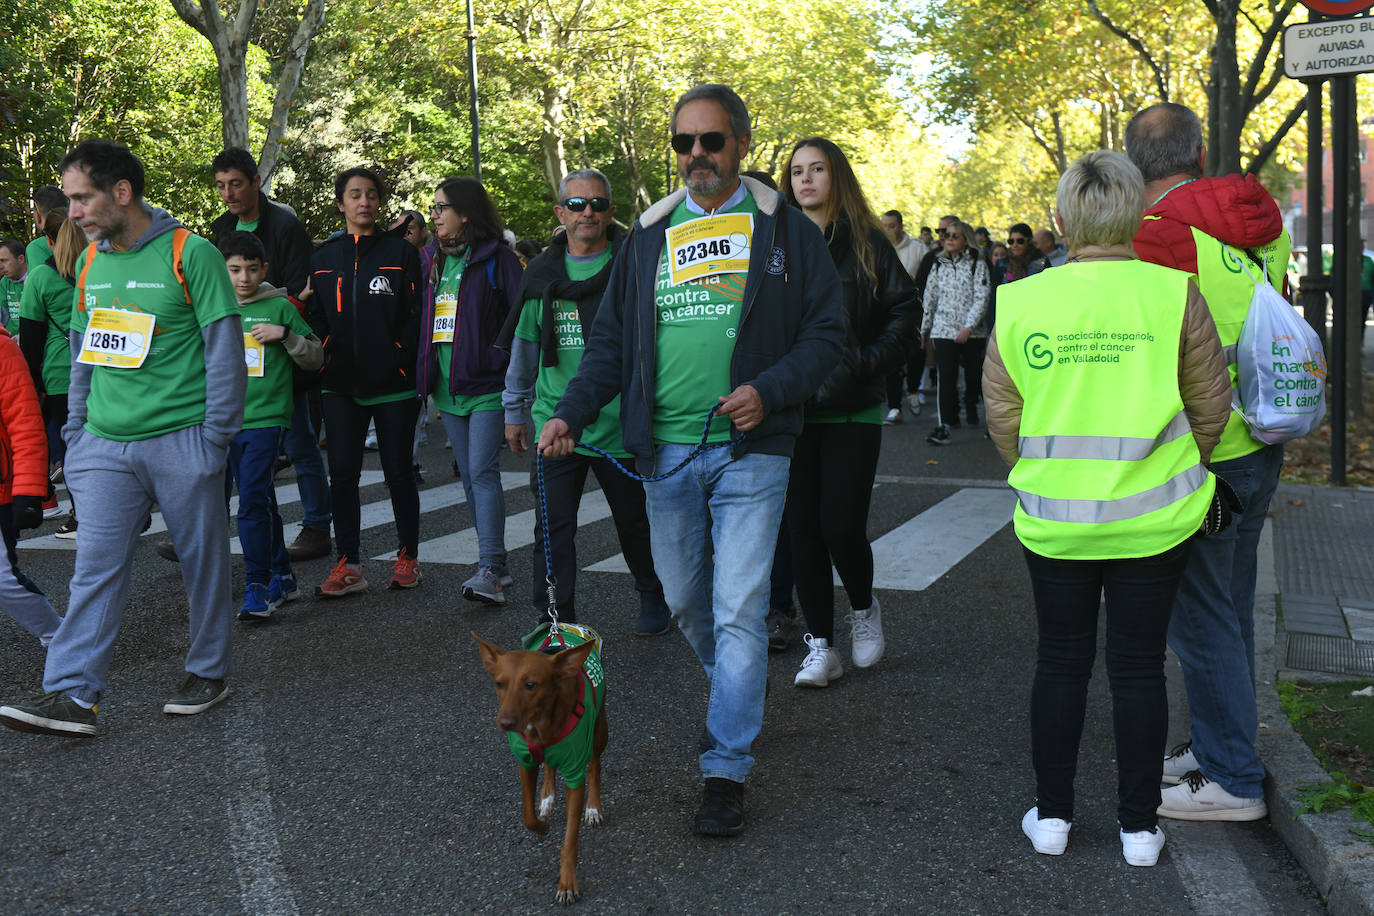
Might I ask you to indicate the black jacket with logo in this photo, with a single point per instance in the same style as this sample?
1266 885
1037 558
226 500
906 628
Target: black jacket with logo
288 244
366 308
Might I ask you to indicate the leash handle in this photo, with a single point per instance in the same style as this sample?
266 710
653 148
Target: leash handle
701 447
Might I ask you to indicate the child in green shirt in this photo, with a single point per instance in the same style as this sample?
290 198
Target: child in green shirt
274 336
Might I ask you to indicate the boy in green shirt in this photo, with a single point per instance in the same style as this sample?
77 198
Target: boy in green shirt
274 336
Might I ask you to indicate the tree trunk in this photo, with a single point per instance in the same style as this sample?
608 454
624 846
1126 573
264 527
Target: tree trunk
233 99
551 138
1224 101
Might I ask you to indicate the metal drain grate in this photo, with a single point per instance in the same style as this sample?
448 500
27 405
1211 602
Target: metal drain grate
1330 654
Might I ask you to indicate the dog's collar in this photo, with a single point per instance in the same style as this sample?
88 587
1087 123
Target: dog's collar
579 709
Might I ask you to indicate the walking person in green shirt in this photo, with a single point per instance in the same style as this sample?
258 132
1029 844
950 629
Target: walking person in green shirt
561 291
156 396
14 269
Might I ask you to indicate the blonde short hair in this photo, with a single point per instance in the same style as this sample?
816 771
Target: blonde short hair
1101 199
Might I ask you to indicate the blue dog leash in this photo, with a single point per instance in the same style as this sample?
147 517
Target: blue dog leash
701 447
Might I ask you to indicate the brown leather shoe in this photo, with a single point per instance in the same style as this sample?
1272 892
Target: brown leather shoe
310 544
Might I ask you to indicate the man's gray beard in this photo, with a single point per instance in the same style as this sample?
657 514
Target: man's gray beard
712 186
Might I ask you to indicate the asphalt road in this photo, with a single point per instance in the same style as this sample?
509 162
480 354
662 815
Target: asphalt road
358 769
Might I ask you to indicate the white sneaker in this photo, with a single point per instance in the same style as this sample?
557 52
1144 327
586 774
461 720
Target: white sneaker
914 402
821 665
1050 836
1197 798
1178 764
893 416
866 635
1142 847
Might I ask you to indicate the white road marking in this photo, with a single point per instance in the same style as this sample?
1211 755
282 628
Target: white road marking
1218 882
255 849
461 546
915 554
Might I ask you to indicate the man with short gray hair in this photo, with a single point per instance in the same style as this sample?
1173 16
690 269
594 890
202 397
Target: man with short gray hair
723 297
561 291
1224 231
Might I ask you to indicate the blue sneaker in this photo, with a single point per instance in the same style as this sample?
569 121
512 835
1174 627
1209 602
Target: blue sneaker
255 605
281 590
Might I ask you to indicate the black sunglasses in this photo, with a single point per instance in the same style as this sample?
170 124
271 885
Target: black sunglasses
951 235
578 204
1017 241
713 141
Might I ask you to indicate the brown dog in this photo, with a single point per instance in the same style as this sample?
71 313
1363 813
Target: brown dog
553 712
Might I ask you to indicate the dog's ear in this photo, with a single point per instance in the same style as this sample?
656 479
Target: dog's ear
570 661
491 655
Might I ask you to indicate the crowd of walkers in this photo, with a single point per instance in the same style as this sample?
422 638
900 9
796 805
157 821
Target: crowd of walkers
159 369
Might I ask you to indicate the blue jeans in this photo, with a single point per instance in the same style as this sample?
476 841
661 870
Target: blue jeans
1213 630
476 440
713 527
303 448
252 461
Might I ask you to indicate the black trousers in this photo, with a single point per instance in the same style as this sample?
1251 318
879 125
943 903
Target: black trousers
345 429
564 480
828 493
950 357
1140 596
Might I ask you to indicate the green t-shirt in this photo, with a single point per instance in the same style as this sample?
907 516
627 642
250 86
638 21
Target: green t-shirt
241 226
552 381
167 392
48 300
13 293
460 405
38 252
1367 274
269 398
695 341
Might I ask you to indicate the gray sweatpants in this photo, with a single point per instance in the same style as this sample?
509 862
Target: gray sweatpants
115 484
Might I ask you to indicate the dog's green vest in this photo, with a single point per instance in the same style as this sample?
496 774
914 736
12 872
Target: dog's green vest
570 753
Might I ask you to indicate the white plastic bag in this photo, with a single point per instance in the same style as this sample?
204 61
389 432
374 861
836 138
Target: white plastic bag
1281 369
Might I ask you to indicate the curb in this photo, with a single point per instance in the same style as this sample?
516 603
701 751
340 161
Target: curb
1341 866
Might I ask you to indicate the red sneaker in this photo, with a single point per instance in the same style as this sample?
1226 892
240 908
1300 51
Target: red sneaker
50 507
407 572
344 579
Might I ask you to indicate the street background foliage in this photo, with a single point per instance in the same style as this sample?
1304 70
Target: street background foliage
972 107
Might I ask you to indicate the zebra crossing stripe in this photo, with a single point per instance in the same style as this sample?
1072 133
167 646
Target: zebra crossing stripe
461 546
916 553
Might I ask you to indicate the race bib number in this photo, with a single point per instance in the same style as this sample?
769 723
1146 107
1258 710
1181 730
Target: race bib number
253 355
708 246
116 339
445 318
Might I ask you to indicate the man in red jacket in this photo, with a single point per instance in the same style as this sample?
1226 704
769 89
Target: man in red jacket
1224 231
23 484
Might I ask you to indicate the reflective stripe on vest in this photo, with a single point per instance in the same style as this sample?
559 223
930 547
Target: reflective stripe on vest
1103 448
1099 511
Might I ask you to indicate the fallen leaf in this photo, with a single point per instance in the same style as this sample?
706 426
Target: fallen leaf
932 461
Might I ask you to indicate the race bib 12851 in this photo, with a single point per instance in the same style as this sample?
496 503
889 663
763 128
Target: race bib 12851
116 339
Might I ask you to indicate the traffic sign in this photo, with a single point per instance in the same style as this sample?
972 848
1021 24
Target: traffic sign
1335 47
1338 7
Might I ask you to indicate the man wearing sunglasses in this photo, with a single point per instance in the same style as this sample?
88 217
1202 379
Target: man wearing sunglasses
561 291
722 297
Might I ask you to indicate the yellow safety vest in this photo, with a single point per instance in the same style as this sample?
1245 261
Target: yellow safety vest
1108 467
1223 281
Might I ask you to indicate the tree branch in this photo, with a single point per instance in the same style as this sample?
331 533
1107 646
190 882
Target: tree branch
190 13
1258 64
243 24
1261 158
312 20
1136 44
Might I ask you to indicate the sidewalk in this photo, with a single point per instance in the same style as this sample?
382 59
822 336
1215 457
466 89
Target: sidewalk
1314 618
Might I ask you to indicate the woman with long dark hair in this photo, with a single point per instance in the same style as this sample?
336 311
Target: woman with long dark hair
836 455
366 309
474 282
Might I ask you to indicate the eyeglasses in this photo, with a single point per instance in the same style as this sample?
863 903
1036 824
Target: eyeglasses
1017 241
578 204
436 209
713 141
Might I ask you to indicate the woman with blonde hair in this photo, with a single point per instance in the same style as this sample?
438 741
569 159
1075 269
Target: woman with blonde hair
836 455
1106 391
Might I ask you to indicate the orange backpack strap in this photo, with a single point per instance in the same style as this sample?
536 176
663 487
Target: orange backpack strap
81 283
179 237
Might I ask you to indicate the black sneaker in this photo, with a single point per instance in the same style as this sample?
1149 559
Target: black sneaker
972 417
196 694
419 477
722 808
167 550
67 530
940 436
50 714
781 628
654 617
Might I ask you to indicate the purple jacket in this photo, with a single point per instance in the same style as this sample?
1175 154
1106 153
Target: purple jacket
476 367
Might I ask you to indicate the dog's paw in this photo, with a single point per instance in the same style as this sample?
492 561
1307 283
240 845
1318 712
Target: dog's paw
591 817
540 827
545 807
567 895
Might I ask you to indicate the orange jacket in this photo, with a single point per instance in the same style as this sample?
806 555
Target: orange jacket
23 441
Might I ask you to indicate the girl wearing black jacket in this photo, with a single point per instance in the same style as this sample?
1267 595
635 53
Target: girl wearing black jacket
366 309
836 455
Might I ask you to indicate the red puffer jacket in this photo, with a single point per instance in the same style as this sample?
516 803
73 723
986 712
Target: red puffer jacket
23 442
1234 209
